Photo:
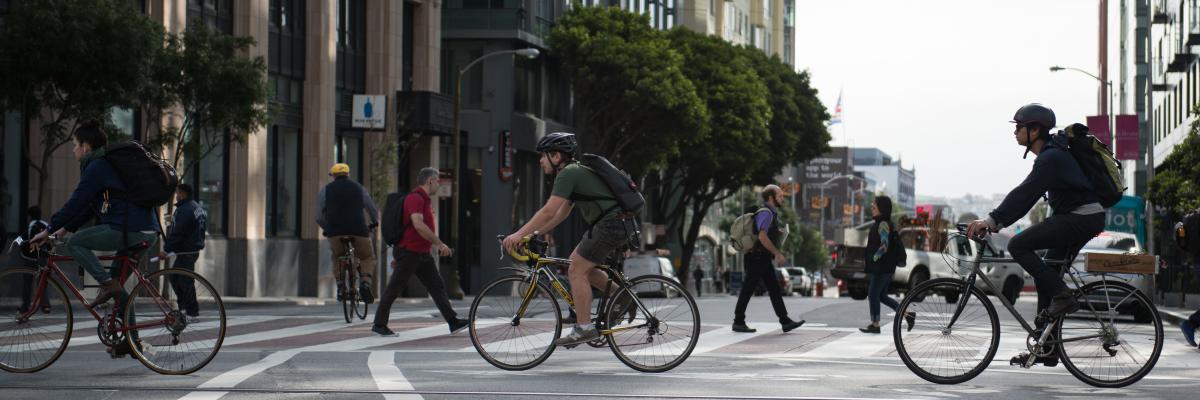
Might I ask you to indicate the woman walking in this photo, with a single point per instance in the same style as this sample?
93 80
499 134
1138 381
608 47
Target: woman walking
881 260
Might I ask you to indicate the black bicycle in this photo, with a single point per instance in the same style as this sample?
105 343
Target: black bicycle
954 342
349 281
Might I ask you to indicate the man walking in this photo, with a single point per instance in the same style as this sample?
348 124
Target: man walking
413 255
185 239
760 264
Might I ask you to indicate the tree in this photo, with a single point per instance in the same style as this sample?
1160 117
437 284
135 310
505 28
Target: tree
763 116
66 61
633 102
215 95
1176 185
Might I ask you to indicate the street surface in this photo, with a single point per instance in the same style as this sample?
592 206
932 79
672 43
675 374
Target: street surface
280 351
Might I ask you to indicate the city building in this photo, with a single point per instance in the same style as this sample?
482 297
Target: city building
891 178
261 195
767 25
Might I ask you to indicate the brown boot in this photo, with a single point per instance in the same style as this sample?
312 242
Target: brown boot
108 290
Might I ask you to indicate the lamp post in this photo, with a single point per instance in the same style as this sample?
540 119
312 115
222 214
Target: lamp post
457 151
1111 129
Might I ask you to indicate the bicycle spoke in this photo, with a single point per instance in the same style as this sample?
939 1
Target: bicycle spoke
190 332
933 348
28 345
1111 350
666 328
505 340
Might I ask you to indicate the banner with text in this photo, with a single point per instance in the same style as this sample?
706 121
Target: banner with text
1098 127
1128 145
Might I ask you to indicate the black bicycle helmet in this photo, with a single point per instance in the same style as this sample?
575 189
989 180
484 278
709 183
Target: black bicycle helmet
558 141
1034 113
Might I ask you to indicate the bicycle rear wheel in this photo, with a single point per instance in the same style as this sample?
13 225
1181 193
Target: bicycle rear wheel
506 340
1104 348
940 352
30 343
349 292
178 338
658 336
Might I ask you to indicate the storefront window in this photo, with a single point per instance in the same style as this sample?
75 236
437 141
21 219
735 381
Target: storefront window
283 183
208 178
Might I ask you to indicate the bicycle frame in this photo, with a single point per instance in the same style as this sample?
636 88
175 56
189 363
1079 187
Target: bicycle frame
51 270
969 283
542 267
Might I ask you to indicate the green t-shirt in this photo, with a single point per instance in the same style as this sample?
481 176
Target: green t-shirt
575 179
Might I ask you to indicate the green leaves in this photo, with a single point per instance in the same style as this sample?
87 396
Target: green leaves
1175 184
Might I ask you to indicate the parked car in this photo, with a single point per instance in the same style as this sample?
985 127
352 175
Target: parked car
650 265
802 281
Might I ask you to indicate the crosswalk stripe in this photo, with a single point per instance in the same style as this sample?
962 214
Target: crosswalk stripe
79 340
388 376
719 338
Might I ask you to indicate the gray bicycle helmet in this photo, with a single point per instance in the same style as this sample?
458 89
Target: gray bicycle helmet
558 141
1034 113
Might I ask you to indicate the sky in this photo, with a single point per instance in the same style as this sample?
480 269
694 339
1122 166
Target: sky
935 82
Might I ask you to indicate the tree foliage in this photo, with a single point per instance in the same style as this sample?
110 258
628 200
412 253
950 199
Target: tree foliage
66 61
1176 185
633 102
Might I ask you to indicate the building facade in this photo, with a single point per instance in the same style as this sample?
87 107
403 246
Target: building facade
261 195
767 25
889 177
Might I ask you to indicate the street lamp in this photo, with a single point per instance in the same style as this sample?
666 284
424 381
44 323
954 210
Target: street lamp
457 165
1111 131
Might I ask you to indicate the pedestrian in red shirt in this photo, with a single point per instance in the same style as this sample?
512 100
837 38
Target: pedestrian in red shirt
413 255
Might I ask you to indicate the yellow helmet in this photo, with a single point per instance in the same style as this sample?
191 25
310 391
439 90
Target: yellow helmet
339 168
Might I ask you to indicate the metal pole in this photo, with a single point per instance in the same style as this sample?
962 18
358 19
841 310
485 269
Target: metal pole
455 290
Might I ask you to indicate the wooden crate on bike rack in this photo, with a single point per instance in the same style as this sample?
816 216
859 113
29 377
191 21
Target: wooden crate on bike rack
1144 264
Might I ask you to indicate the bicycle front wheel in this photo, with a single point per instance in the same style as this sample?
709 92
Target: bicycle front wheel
177 322
34 331
1104 347
513 325
938 350
659 334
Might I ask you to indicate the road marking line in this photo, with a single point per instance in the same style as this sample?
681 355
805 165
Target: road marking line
854 345
389 377
286 332
77 340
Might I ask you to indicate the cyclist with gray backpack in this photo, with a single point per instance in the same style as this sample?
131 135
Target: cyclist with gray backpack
759 259
1069 174
607 200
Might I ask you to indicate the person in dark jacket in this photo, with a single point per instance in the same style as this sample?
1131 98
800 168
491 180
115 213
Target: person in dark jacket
1076 217
342 210
122 223
881 262
185 239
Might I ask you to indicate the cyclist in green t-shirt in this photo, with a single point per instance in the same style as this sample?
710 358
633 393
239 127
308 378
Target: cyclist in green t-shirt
576 185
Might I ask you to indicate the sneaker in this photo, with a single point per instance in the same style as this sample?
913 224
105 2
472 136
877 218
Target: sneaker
192 318
382 330
122 350
869 329
741 327
364 292
458 324
911 319
579 335
1189 332
1047 361
1063 303
789 325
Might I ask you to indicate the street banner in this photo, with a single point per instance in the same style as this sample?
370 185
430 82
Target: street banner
1098 127
1128 216
1128 145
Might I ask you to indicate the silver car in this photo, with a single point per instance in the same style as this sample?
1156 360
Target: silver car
1114 243
650 265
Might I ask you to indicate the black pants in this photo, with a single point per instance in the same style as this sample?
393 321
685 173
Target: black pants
1195 319
185 287
1061 234
759 269
407 264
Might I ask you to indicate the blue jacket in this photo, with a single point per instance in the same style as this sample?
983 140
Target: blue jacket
186 233
98 176
1054 172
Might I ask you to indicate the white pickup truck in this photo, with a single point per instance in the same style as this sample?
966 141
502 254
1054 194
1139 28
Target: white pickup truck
926 260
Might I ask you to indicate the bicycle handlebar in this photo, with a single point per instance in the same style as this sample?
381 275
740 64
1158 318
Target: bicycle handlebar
530 247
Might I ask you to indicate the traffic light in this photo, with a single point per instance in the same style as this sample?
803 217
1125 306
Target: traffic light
922 214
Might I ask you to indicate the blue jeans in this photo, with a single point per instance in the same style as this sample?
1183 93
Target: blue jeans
103 238
877 292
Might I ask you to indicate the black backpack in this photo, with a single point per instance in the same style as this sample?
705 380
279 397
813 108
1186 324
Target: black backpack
149 181
895 250
1097 163
624 189
393 223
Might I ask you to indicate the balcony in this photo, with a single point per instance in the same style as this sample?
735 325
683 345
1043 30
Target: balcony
427 112
1181 63
484 19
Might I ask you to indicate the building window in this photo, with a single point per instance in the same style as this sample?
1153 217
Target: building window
527 82
11 179
351 53
208 177
216 14
286 52
348 149
283 182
